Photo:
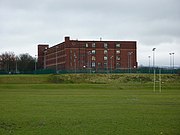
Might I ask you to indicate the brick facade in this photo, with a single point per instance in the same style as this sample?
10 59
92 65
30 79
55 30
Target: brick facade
95 55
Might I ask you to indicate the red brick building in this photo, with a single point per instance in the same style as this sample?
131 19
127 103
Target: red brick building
93 55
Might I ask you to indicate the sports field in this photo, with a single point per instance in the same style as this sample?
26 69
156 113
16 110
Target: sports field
114 105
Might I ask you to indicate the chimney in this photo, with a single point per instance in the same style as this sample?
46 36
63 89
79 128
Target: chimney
67 39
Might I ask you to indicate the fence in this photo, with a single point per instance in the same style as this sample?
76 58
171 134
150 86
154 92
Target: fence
91 71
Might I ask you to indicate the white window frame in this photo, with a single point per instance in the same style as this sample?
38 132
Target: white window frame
93 52
93 58
93 64
118 65
93 45
105 51
118 45
118 51
105 45
118 58
105 57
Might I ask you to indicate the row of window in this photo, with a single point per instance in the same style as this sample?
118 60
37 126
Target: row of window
100 65
117 58
93 64
94 52
93 58
105 51
105 45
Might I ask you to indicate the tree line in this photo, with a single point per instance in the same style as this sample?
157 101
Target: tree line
11 63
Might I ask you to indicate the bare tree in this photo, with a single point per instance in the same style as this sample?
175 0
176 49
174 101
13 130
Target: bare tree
11 63
26 63
8 61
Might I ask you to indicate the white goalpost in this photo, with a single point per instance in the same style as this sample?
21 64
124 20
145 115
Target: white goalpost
158 81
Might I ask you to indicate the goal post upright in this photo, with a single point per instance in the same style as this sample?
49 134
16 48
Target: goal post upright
160 81
154 87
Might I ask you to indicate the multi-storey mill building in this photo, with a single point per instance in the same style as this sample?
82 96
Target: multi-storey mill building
94 55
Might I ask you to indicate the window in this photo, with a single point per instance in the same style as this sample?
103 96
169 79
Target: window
117 65
105 57
93 51
105 51
105 65
93 58
93 45
117 51
118 57
105 45
118 45
99 64
93 64
86 44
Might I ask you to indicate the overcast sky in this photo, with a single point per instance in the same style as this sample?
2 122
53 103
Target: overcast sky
154 23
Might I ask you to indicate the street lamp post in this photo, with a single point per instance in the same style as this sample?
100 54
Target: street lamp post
107 62
111 63
35 66
173 62
89 60
45 59
129 61
153 57
170 61
149 62
56 59
75 61
154 69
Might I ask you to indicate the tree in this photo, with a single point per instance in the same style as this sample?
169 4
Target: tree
8 61
26 63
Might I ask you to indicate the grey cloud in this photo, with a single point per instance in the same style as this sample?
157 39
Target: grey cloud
32 22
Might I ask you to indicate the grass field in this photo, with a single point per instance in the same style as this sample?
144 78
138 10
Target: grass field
114 105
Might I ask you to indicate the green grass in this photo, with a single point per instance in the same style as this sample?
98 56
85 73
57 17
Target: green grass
109 108
86 78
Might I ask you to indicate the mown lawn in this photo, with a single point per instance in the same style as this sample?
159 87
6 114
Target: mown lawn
89 109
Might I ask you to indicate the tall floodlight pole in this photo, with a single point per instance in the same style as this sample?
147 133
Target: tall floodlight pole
154 88
170 61
149 62
173 61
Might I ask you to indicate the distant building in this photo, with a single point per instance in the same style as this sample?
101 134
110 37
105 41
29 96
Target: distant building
94 55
